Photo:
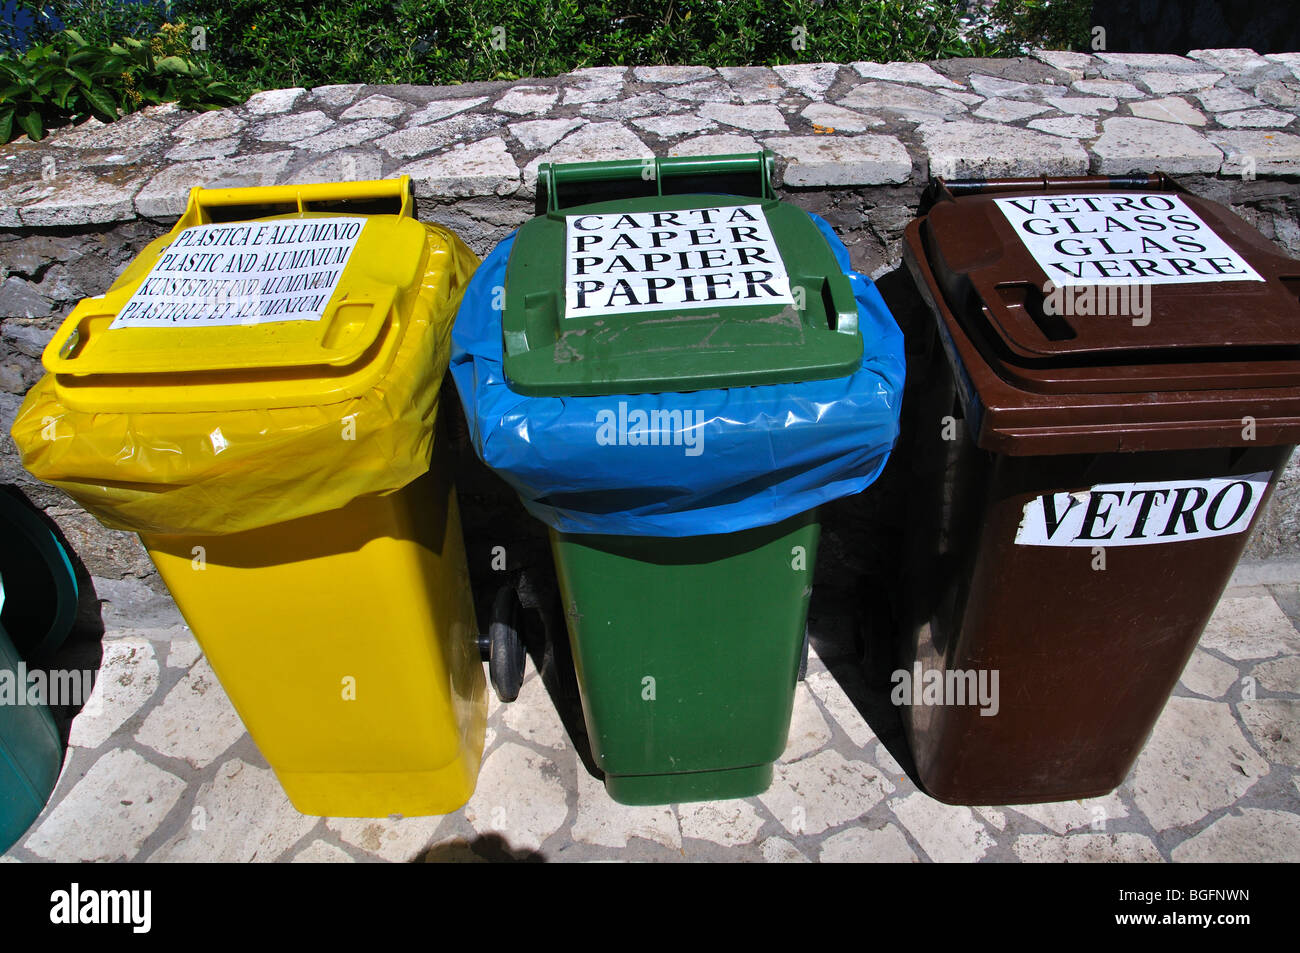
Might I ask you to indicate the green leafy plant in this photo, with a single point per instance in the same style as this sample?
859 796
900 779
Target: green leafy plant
256 45
1022 25
68 80
253 45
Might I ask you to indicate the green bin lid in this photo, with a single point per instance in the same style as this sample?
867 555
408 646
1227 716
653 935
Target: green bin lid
671 286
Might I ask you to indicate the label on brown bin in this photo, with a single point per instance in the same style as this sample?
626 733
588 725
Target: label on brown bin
1120 238
1138 514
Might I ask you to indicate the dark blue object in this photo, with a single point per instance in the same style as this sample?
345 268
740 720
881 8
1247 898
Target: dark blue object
22 25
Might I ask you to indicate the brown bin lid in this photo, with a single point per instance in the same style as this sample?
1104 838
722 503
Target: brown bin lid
979 258
1207 303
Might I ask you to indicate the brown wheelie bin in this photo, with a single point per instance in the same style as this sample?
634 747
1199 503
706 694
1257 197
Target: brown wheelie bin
1115 392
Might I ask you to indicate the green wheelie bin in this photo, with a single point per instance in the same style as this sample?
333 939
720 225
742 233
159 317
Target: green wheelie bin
31 751
687 651
38 604
681 369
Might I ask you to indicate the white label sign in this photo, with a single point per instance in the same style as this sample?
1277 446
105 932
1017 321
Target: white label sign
1137 514
1120 238
244 273
654 261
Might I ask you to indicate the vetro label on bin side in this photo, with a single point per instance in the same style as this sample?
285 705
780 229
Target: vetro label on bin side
626 263
1137 514
1119 238
244 273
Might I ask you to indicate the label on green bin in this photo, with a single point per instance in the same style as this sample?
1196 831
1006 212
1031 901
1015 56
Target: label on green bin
622 263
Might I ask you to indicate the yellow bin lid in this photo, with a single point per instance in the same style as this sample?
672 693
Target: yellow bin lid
278 296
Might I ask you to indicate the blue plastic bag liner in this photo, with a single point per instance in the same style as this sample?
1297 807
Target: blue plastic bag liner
680 464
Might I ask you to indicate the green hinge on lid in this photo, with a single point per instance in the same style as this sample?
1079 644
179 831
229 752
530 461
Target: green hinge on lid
672 274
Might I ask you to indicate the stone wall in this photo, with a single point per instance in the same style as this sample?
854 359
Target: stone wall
855 143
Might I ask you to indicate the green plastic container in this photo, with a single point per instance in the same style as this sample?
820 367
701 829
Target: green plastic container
42 606
31 752
687 653
39 609
687 650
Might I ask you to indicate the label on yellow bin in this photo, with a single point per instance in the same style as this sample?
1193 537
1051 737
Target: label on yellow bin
244 273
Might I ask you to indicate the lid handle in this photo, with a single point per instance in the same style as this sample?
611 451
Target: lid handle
565 185
373 197
941 188
348 328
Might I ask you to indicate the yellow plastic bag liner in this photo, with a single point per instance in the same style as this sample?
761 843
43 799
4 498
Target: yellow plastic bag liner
260 419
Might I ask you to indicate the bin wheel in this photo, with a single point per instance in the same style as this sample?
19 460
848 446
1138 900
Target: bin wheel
803 655
505 650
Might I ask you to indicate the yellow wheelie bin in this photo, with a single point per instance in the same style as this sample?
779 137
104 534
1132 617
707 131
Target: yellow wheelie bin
257 397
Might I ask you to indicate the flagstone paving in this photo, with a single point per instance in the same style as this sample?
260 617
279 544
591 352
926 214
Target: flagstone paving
160 769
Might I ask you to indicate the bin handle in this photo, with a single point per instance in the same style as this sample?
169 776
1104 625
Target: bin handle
941 188
381 305
653 172
342 342
203 202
